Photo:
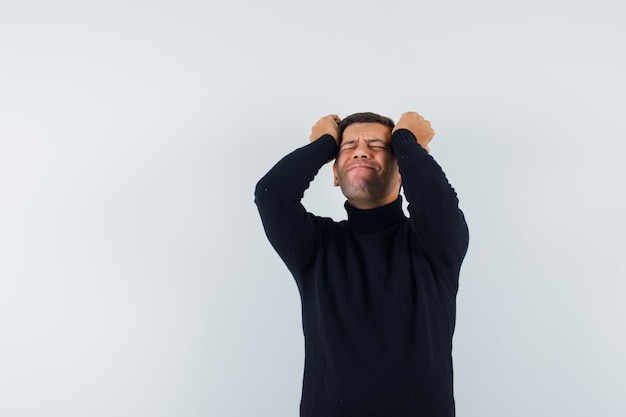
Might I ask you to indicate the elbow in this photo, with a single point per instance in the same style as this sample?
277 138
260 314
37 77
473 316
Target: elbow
264 196
260 192
462 238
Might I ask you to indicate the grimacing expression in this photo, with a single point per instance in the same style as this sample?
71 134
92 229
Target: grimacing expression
366 168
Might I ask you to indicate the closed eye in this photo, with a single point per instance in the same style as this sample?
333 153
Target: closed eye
348 145
377 144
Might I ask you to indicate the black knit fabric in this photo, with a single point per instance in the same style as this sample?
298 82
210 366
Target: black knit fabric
378 291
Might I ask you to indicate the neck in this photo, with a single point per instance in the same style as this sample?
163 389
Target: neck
368 203
376 219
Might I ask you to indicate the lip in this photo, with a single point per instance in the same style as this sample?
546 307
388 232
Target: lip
360 165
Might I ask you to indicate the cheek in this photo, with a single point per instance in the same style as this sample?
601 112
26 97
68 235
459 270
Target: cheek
338 164
394 170
391 164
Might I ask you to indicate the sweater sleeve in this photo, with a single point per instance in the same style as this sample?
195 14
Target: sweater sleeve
289 227
435 217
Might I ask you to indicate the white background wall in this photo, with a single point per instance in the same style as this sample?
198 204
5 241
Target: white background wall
135 278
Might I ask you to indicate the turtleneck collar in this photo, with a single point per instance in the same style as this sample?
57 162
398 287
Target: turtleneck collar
376 219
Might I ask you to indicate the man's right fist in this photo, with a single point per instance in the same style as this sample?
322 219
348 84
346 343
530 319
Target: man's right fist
326 125
419 126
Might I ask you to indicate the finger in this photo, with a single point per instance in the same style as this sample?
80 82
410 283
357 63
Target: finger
335 117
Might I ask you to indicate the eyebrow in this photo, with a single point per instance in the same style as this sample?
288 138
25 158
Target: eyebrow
368 141
375 140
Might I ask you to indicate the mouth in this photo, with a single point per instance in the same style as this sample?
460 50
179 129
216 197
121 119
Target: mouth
360 165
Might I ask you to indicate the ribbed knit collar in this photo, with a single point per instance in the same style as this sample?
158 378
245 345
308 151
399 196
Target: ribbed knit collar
376 219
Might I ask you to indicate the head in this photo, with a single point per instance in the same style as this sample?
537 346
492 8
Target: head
366 117
366 168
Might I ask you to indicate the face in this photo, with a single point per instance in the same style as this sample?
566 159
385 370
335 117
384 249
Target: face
365 168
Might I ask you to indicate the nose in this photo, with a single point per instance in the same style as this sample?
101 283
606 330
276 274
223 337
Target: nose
361 150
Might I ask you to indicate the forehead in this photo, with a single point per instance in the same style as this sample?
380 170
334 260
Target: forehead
367 131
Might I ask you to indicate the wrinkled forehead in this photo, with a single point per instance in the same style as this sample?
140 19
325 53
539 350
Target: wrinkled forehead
367 131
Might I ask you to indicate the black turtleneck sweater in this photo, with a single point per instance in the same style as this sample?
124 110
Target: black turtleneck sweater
378 290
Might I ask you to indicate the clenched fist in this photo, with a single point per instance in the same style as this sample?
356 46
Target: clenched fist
419 126
326 125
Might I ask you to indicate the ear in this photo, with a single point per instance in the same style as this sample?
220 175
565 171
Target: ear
399 185
399 175
336 180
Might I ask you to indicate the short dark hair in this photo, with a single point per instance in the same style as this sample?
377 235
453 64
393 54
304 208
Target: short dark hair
366 117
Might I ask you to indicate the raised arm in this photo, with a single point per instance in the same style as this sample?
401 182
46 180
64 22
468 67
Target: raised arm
437 221
289 228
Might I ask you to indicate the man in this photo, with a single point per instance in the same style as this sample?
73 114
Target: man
378 290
